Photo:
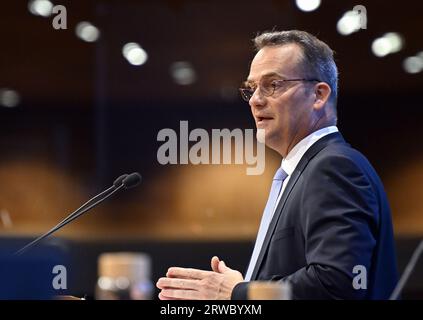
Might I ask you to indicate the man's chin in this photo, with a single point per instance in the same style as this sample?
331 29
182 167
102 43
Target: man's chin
266 138
261 135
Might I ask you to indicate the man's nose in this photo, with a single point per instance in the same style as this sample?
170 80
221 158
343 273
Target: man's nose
257 99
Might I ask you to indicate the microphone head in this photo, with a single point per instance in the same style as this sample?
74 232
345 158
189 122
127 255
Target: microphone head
118 182
132 180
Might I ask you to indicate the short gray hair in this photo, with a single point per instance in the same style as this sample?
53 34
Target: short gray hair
317 60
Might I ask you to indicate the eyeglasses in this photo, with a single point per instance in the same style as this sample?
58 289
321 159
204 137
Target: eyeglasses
267 89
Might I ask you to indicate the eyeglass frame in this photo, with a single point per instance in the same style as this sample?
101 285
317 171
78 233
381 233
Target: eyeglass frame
244 95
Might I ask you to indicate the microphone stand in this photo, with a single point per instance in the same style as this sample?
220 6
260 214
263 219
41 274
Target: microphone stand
78 212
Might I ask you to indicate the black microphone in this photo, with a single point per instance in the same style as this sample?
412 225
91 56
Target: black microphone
408 270
125 181
131 180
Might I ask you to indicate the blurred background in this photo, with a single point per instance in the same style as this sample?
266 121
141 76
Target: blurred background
81 105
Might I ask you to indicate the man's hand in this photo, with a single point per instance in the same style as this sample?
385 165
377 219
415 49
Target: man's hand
194 284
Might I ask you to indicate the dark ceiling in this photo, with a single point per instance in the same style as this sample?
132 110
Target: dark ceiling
48 66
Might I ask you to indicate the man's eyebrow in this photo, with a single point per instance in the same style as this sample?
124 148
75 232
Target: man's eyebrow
267 75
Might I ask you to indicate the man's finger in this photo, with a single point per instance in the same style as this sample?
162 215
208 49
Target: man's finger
179 276
164 283
215 264
179 294
176 272
223 267
162 297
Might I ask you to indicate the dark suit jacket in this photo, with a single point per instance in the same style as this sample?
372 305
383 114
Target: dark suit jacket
333 216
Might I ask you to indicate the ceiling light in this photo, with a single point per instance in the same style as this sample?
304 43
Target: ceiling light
87 32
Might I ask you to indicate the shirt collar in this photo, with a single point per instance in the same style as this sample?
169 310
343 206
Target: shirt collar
294 156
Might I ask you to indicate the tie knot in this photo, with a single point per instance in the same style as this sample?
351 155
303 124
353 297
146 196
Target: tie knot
280 175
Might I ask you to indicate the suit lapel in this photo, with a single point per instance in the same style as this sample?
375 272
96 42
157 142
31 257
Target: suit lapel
314 149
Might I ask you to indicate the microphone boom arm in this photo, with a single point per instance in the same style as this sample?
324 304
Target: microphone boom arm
408 270
81 210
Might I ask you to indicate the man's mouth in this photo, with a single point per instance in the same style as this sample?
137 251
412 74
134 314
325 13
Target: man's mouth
263 119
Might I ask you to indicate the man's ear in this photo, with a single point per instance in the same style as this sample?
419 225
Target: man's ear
322 93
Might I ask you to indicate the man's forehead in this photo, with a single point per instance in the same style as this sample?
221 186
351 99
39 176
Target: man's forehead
279 61
266 74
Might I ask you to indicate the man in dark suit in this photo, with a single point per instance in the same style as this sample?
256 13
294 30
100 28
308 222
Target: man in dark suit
326 228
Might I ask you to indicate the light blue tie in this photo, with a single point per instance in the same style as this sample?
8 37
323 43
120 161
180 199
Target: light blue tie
278 180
